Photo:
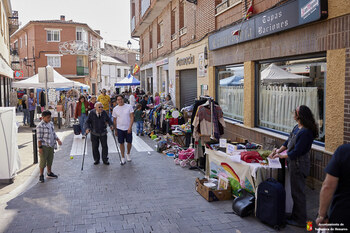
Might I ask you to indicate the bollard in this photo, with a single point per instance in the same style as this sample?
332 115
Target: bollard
35 147
59 120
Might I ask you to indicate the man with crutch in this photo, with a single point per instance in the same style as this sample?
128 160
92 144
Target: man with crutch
96 123
123 118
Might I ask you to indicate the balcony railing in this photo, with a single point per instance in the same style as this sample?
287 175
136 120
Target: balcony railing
225 5
82 70
173 36
182 31
133 24
145 4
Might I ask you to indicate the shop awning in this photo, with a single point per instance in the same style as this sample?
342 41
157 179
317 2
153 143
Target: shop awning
5 69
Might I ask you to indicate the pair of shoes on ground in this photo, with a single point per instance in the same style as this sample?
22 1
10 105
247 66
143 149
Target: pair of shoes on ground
97 162
139 134
128 158
49 175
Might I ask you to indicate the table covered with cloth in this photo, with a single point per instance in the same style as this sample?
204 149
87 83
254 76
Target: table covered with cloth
243 175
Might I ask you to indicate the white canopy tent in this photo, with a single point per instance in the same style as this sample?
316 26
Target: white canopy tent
59 82
275 74
9 157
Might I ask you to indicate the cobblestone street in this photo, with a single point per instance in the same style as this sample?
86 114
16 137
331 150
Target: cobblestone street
150 194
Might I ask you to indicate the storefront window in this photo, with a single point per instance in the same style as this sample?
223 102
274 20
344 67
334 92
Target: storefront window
230 82
285 85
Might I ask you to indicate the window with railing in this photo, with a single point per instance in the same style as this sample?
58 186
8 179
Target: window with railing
145 4
173 31
160 36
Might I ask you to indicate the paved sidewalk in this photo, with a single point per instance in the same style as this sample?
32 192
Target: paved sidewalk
150 194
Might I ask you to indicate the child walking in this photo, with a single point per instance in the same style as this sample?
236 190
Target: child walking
46 142
139 115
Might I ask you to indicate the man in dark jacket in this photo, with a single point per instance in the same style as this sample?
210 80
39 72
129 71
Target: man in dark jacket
96 123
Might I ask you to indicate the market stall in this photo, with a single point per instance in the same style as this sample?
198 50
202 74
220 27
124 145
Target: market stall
9 159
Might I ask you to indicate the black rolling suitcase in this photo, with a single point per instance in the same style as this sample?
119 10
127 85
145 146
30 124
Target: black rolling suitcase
76 128
271 203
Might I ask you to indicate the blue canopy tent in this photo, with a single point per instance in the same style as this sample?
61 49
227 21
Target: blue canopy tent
128 81
232 81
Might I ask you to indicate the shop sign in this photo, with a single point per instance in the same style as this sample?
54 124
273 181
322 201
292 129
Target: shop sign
290 15
202 71
185 61
162 62
18 74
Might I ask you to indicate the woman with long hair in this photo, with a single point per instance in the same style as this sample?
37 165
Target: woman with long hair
298 148
81 112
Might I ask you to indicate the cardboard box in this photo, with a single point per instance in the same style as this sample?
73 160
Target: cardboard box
210 194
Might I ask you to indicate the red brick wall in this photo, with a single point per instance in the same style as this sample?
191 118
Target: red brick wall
347 98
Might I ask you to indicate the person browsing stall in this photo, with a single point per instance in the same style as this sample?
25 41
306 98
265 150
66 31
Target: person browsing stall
81 113
335 191
139 115
123 119
46 143
97 124
298 148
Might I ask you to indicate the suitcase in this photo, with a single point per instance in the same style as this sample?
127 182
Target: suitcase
271 203
77 129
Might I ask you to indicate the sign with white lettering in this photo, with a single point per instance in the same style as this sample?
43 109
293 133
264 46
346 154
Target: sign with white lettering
290 15
185 61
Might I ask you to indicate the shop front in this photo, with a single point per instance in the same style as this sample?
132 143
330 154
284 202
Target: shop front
261 77
6 77
191 73
146 77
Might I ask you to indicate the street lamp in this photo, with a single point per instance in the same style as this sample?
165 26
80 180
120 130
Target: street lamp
129 44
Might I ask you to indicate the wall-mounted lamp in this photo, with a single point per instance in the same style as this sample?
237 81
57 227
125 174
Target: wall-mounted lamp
129 44
192 1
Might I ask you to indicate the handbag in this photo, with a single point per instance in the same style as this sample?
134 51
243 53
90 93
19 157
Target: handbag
244 204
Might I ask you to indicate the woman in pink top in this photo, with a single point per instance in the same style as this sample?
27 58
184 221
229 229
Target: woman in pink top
156 98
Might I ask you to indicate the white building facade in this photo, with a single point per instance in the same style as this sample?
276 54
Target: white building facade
112 71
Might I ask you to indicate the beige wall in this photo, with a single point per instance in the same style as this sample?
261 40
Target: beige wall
194 50
4 32
249 93
337 8
335 91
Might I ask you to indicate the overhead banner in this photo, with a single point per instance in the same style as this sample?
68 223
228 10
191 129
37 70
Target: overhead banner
290 15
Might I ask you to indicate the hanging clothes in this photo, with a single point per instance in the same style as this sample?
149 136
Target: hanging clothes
203 122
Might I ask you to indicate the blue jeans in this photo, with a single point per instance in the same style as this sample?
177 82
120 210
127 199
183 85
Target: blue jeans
25 116
82 118
139 126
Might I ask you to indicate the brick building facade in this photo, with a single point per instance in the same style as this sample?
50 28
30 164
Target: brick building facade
37 45
317 49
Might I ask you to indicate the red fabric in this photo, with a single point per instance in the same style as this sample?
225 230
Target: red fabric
173 121
78 108
251 157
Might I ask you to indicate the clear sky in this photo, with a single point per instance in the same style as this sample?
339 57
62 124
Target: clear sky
111 17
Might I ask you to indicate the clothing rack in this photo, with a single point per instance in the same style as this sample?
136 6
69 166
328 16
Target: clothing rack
211 104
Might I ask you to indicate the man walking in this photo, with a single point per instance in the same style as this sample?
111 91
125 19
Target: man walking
96 123
123 118
31 108
46 142
105 100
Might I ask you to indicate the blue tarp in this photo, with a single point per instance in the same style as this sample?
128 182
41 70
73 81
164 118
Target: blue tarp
128 81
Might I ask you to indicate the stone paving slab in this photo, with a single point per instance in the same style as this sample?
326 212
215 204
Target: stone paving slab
150 194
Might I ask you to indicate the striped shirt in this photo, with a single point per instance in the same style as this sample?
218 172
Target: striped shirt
46 134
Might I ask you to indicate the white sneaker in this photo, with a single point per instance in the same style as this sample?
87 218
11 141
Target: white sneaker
123 160
128 158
